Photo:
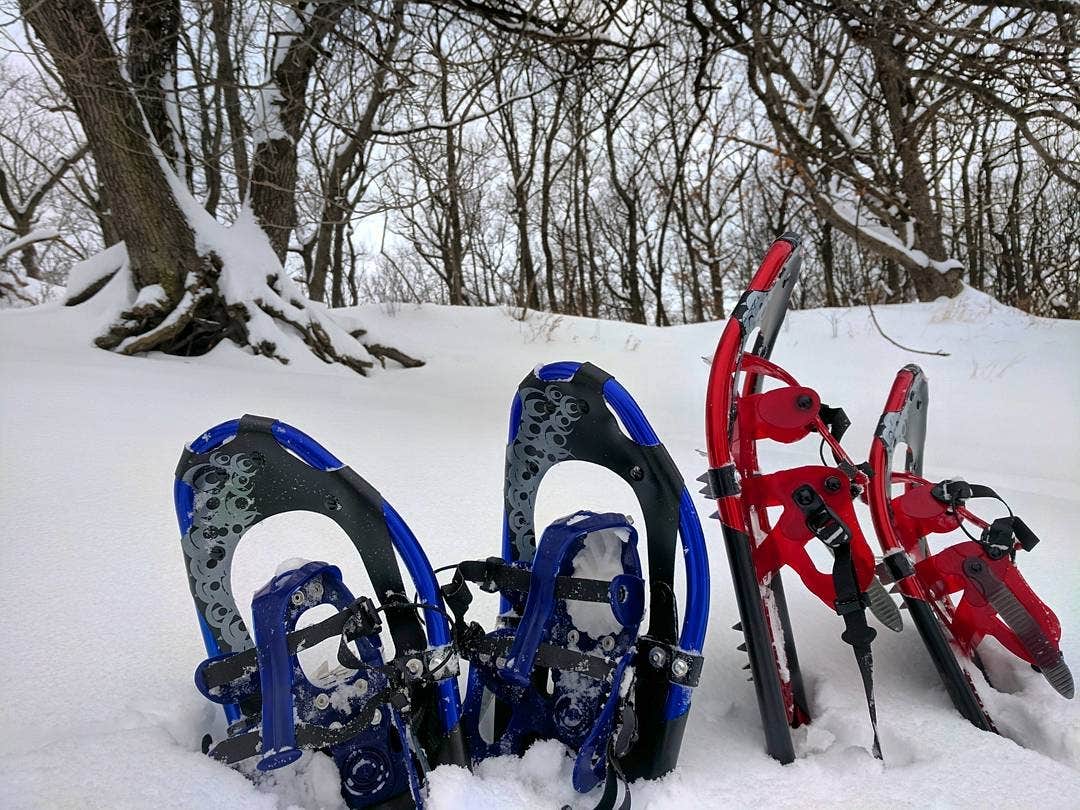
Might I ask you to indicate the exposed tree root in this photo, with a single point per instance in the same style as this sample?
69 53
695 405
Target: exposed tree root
204 317
384 353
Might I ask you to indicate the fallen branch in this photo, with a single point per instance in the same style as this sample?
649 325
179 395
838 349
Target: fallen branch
881 332
384 353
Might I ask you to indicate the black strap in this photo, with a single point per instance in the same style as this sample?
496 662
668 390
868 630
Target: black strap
851 602
429 665
489 649
358 619
614 779
835 419
242 746
618 745
495 574
1001 536
851 605
955 491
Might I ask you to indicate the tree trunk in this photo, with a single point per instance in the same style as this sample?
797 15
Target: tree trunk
828 265
281 120
227 79
336 209
189 314
144 212
900 104
153 28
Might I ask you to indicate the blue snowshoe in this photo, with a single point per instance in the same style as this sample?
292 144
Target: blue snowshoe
567 660
383 722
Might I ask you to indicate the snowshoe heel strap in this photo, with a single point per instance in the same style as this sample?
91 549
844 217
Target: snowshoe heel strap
596 743
851 602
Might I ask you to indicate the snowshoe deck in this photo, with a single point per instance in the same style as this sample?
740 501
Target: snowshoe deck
384 721
572 603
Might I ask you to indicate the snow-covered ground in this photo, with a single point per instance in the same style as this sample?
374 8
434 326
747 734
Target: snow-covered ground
99 634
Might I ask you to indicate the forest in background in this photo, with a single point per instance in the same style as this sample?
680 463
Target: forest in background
609 159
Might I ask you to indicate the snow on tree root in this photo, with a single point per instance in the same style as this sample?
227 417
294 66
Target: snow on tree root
241 293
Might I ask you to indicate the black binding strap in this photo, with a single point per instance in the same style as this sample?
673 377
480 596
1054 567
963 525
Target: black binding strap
492 648
243 746
850 603
618 745
1002 535
495 574
358 619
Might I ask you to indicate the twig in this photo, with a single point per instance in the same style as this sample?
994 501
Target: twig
881 332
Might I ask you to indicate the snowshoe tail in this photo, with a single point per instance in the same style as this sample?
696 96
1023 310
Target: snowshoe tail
383 722
572 603
816 502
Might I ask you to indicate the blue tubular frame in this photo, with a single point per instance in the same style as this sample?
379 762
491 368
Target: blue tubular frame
405 543
420 571
695 553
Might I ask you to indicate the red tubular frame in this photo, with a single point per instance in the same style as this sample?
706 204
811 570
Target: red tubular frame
736 418
739 413
903 523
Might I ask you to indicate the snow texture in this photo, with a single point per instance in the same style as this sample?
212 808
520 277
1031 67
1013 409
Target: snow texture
99 708
36 235
600 558
89 272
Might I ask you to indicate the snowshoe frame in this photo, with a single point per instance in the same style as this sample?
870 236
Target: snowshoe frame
243 471
572 411
816 501
995 599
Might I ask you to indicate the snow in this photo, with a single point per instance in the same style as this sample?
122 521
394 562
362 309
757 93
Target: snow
36 235
149 296
99 707
90 271
599 558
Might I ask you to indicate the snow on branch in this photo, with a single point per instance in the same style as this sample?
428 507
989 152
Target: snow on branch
35 236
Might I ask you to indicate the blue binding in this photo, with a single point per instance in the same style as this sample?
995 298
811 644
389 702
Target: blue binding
371 771
574 713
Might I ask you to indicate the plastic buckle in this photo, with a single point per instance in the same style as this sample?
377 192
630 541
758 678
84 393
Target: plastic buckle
491 565
997 538
363 620
835 419
952 492
822 521
851 605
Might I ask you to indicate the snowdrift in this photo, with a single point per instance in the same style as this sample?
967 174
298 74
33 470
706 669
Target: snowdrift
99 708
